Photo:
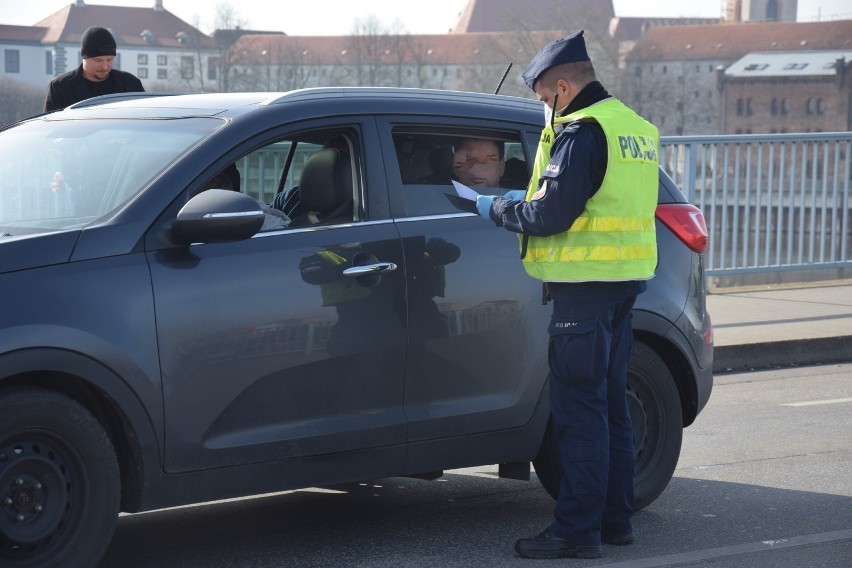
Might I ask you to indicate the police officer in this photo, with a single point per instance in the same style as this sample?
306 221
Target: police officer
587 231
95 75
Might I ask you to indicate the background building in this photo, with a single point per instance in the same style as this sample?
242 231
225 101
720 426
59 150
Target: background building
761 10
671 74
787 91
671 70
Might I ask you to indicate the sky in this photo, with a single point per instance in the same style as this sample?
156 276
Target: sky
338 17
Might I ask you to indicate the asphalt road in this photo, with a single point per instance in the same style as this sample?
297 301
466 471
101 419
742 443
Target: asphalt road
765 479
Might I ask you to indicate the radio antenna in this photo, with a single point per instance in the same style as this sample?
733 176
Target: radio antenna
500 84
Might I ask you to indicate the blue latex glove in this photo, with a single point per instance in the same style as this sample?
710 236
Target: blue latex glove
483 206
516 194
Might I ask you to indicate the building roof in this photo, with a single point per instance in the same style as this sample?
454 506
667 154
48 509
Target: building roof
513 15
21 34
631 29
456 49
128 26
788 64
728 42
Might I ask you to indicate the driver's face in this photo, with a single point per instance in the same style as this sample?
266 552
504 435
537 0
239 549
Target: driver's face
478 163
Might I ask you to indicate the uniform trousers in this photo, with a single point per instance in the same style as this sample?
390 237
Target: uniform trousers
590 341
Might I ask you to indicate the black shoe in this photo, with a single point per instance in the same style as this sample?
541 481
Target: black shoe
548 545
617 539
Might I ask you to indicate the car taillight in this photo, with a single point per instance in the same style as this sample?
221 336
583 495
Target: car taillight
686 221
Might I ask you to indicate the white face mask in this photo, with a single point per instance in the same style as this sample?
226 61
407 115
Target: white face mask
548 112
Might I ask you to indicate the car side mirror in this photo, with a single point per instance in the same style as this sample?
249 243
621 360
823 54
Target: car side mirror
218 216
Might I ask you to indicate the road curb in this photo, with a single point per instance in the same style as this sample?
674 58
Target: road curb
795 352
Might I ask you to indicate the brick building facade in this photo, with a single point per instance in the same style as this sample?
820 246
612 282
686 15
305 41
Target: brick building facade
671 76
800 91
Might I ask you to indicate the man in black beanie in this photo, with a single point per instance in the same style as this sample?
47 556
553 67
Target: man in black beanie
95 75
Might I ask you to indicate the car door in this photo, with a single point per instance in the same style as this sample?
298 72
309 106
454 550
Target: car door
269 348
477 354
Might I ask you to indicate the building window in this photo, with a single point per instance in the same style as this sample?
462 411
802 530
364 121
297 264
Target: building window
665 69
162 60
162 74
749 107
142 72
13 61
142 59
785 107
48 62
809 107
774 107
820 106
187 67
740 107
772 11
213 69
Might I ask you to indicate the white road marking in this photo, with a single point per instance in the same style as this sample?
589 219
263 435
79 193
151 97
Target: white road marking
721 552
816 402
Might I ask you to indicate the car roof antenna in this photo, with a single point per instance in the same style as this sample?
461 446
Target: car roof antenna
500 84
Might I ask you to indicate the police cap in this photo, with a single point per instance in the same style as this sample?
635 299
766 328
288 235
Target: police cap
565 50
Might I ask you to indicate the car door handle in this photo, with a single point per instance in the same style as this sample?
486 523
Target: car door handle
365 269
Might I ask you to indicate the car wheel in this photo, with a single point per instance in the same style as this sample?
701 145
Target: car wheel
59 482
657 430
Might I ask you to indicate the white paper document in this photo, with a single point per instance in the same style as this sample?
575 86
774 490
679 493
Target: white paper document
465 191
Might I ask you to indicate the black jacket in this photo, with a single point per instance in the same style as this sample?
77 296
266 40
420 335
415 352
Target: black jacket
70 88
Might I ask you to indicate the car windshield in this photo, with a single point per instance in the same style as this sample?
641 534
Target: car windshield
62 174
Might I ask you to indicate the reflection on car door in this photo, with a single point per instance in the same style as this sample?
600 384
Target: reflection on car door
477 355
268 351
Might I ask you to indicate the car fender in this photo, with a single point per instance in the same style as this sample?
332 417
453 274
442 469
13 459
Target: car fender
665 338
96 385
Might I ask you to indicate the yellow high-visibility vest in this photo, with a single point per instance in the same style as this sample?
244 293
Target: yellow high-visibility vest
614 239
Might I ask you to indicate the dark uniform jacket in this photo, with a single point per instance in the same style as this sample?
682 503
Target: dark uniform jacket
71 87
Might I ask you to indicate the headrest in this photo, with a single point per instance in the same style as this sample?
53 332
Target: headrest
326 182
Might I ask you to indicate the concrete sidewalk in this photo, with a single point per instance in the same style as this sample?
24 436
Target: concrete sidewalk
781 325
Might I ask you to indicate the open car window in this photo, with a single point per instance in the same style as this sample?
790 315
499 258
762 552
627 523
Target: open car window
429 162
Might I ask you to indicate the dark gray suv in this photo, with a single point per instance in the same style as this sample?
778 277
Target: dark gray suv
208 296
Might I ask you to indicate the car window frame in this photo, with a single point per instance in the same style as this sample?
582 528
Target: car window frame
451 126
371 203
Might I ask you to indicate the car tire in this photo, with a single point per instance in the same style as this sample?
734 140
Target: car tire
59 481
655 410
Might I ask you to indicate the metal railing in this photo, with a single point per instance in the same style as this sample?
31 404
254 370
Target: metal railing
772 202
